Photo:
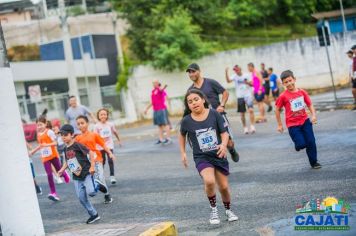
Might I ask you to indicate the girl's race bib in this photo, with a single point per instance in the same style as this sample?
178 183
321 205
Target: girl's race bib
74 166
46 152
297 104
207 140
105 132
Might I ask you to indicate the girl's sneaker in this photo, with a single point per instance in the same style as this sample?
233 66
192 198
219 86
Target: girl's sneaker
112 179
53 197
58 179
214 216
252 129
231 216
245 130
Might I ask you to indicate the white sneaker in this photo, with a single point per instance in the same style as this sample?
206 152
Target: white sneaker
231 216
245 130
58 179
252 129
112 180
214 216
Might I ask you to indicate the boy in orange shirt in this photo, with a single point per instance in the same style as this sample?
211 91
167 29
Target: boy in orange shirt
91 140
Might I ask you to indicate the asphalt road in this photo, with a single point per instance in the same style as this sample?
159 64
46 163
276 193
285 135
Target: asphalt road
268 182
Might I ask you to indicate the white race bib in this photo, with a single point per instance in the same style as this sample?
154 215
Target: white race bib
271 84
46 152
105 132
74 166
297 104
207 140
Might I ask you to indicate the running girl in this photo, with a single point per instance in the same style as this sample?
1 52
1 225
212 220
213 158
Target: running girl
208 137
91 140
49 154
106 130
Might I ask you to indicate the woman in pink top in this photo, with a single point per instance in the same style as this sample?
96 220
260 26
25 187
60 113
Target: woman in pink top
106 130
258 90
160 115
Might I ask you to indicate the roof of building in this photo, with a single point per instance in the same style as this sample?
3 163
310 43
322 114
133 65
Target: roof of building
333 14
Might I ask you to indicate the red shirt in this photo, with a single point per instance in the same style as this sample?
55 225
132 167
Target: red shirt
294 104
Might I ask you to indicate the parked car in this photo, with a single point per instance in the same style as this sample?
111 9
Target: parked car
31 128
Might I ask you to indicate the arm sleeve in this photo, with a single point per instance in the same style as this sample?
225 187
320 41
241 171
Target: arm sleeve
217 86
280 102
183 129
222 125
307 99
99 140
83 148
52 135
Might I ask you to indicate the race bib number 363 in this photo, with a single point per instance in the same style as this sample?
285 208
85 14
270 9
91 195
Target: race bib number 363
207 140
297 104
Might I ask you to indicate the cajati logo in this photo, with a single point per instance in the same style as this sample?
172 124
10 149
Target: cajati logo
327 214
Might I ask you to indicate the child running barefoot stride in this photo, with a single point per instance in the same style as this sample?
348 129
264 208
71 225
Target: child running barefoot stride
106 130
49 154
208 137
82 168
91 140
300 128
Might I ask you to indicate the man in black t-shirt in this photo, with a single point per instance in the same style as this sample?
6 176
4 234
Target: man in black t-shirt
212 89
266 85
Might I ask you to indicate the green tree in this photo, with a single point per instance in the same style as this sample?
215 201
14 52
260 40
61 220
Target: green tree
178 42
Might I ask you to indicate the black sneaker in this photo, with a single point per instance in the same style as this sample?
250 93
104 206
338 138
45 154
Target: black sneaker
107 199
234 155
158 142
38 190
92 219
269 109
316 166
100 186
167 141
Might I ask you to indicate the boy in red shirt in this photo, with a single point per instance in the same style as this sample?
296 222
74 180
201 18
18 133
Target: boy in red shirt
300 129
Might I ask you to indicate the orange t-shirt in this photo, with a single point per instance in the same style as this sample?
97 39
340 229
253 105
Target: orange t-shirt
47 153
91 140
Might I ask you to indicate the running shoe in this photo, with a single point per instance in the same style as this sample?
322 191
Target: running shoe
100 186
214 216
269 108
245 130
38 190
58 179
53 197
252 129
316 166
112 179
158 142
92 219
107 199
167 141
230 216
234 155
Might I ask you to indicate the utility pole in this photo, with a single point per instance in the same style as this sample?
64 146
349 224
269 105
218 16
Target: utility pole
327 54
117 40
343 17
20 213
68 55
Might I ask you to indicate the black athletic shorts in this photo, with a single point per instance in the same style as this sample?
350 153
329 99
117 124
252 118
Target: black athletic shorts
275 93
267 88
353 83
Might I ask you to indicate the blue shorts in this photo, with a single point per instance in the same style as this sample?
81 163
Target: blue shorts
259 98
160 117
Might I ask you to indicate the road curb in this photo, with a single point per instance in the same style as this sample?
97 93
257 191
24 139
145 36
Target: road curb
161 229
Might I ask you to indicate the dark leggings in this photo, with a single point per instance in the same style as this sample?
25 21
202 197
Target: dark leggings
111 162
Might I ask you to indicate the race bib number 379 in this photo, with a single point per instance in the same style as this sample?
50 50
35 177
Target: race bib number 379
297 104
207 140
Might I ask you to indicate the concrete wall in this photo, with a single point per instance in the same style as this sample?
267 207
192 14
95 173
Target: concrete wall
303 56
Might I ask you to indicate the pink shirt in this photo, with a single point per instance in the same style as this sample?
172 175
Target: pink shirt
105 130
294 104
256 83
158 99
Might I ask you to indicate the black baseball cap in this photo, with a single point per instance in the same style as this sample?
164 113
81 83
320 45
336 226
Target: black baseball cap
353 47
286 74
66 129
193 66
